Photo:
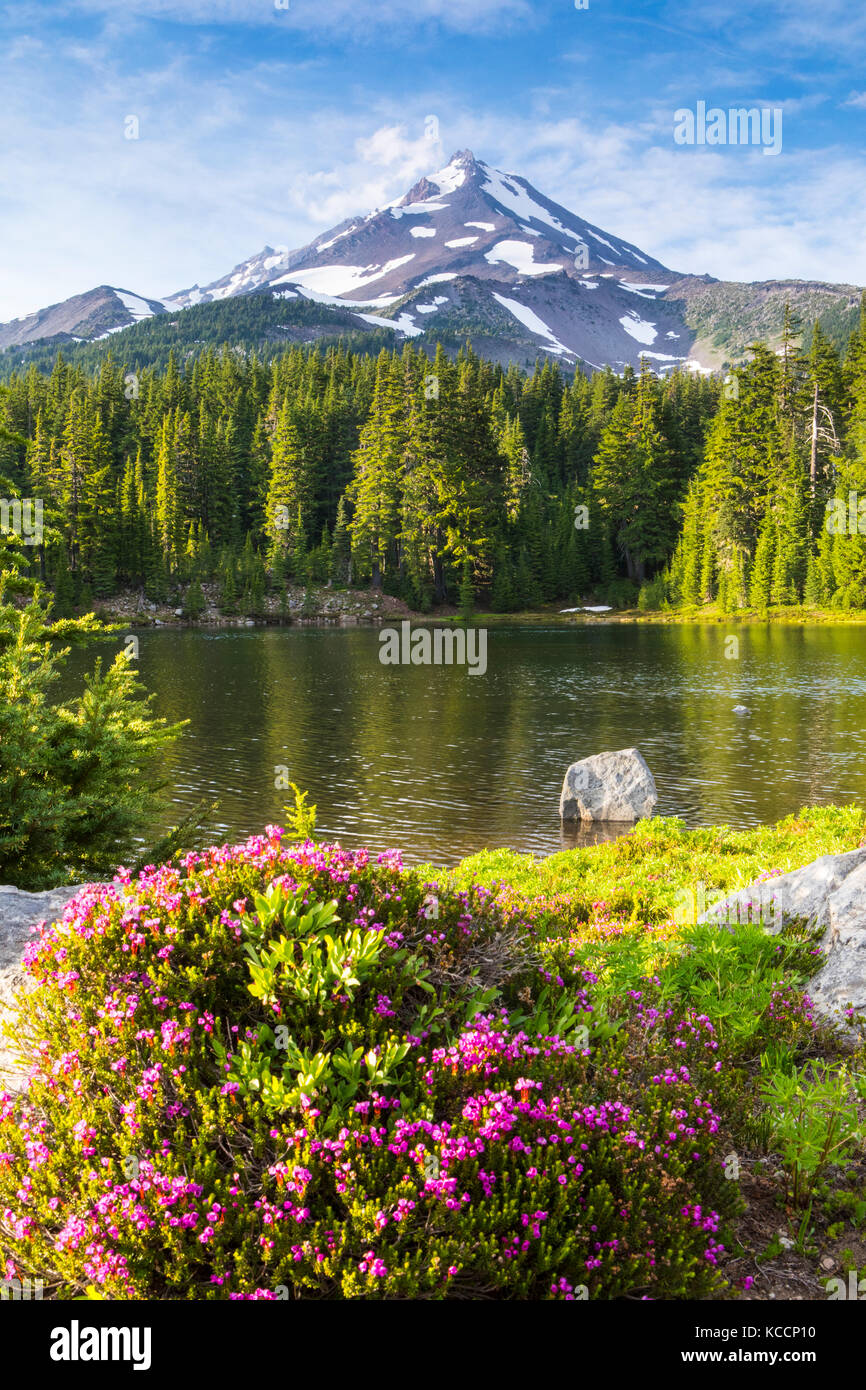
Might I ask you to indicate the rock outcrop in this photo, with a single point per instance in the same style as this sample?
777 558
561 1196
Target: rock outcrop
19 913
608 787
804 893
830 893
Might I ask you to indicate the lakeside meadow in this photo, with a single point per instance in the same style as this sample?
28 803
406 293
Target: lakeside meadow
283 1070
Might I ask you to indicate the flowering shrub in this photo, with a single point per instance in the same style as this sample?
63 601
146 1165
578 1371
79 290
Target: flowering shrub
269 1072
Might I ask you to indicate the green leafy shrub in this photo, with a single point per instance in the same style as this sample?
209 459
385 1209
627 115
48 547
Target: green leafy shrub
653 593
300 817
815 1121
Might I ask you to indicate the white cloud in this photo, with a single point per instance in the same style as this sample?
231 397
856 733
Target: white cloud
789 26
279 152
403 156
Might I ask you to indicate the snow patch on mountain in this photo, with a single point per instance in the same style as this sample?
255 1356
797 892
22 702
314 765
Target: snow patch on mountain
645 291
520 255
530 320
343 279
326 245
318 297
635 289
639 329
416 209
452 177
424 231
483 226
403 324
505 190
461 241
139 308
602 240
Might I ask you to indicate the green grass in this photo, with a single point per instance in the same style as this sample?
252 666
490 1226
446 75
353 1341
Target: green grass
641 875
627 911
791 615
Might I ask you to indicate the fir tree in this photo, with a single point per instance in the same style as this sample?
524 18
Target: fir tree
761 582
341 548
78 779
467 591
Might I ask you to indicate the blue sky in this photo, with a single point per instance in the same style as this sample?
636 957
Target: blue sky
266 121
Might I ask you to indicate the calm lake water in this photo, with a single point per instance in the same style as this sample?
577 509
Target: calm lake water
440 764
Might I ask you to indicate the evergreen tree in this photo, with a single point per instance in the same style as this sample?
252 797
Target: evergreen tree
761 583
633 480
194 602
379 462
78 779
467 591
341 548
288 488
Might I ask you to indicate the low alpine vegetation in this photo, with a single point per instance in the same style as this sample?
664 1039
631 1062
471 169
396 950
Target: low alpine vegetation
289 1071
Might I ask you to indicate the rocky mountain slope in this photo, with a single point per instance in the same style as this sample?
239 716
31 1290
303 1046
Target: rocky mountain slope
473 252
83 318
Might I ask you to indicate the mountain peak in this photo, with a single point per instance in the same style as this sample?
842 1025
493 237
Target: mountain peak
462 170
464 157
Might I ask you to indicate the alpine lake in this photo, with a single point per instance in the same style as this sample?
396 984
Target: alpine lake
440 761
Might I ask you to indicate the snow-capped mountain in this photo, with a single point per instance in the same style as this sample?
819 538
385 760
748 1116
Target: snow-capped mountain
83 318
473 243
471 252
254 274
467 219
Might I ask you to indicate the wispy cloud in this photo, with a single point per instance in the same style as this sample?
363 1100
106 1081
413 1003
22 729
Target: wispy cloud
325 16
259 125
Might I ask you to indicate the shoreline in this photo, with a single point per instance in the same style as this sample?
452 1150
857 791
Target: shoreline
361 607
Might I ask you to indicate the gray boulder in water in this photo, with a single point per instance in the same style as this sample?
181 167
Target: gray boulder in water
608 787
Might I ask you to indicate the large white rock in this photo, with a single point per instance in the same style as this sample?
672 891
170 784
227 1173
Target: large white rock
842 978
609 787
830 893
804 893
